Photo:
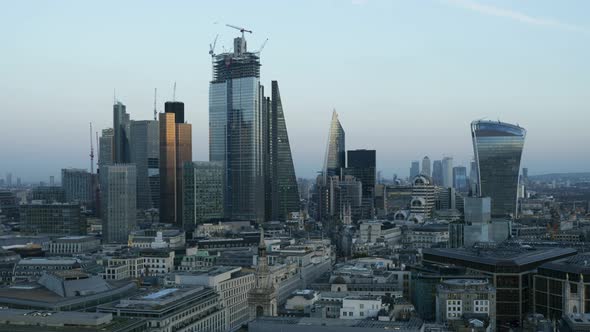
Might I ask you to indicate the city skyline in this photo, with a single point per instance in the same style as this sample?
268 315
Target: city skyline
417 105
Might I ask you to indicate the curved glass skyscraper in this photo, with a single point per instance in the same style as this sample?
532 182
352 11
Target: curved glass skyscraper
498 150
335 151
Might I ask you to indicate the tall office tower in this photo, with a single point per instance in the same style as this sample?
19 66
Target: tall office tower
118 189
279 170
145 154
175 150
498 149
335 151
447 171
9 179
437 173
52 181
77 184
414 169
460 179
362 165
426 167
203 193
236 130
106 142
473 178
57 219
525 175
121 136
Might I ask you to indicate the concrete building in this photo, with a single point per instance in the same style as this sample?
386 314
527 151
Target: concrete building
233 286
360 307
118 198
447 172
426 167
262 299
31 269
423 199
174 309
73 245
297 324
155 239
78 185
106 141
414 169
426 236
376 231
49 194
57 219
461 299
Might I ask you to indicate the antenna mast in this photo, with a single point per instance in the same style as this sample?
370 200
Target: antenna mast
155 97
91 152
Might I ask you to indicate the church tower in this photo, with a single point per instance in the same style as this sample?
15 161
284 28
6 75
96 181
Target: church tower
262 299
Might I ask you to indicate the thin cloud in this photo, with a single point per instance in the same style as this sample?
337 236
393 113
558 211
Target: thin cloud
513 15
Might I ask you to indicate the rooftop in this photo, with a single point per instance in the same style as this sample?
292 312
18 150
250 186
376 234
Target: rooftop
500 256
414 324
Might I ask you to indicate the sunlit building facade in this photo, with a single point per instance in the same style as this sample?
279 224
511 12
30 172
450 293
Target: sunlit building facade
498 150
335 159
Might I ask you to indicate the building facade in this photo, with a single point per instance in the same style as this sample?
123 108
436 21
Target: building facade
77 184
53 219
118 199
335 159
145 154
203 193
498 149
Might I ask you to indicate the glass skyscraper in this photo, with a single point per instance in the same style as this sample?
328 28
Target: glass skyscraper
498 150
236 126
118 189
145 154
335 159
203 193
121 123
362 165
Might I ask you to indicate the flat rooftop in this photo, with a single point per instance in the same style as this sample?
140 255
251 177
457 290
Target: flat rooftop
501 256
310 322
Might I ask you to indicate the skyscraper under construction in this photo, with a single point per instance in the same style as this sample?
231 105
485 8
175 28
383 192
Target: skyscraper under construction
248 135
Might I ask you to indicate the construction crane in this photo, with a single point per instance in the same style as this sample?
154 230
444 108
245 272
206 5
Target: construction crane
174 92
261 47
97 148
242 30
91 152
212 46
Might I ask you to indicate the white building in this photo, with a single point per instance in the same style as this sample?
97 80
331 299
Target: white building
71 245
360 307
232 285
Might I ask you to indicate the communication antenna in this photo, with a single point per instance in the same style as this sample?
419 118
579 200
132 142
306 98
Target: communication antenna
155 97
91 152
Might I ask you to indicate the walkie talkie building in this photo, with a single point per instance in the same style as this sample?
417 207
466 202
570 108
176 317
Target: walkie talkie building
498 151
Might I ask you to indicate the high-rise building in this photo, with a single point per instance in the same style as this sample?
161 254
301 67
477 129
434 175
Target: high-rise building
460 179
118 198
106 142
175 150
414 169
203 193
498 149
426 166
447 172
121 134
335 160
9 207
49 194
473 177
77 184
362 165
9 179
283 192
145 154
236 130
52 181
57 219
437 173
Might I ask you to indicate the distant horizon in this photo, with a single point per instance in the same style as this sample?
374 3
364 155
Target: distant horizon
407 79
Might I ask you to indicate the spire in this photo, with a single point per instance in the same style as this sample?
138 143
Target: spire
261 244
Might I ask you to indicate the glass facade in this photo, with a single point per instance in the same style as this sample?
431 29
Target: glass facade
77 184
203 193
145 154
167 168
335 151
118 190
105 155
121 123
460 179
362 165
236 132
498 150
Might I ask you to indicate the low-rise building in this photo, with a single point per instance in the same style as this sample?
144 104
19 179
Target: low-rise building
72 245
31 269
459 299
361 307
154 239
174 309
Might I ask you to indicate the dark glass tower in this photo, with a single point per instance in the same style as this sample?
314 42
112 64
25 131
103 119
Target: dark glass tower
145 154
121 123
498 150
437 173
362 165
284 191
335 151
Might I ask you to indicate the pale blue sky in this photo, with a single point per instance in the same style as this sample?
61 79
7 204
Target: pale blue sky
407 77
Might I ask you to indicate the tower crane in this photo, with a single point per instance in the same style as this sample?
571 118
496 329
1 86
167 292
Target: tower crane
261 47
212 46
242 30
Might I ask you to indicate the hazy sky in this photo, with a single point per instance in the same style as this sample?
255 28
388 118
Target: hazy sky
407 77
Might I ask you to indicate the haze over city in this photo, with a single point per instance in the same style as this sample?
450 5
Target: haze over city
406 78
